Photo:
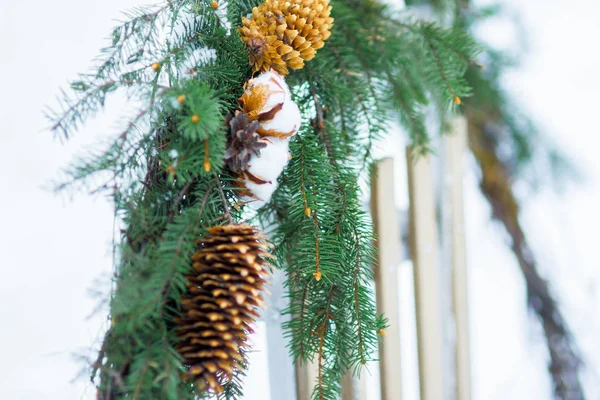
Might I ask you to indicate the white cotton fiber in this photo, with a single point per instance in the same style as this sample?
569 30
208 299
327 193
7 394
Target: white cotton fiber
279 90
262 191
275 156
272 160
268 167
287 120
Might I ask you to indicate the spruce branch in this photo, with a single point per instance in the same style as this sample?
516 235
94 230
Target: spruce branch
361 344
441 68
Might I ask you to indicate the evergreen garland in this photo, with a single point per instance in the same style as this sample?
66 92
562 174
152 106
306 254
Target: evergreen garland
184 65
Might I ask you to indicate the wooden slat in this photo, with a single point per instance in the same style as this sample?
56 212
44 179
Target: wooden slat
282 380
385 220
425 256
306 379
354 387
454 157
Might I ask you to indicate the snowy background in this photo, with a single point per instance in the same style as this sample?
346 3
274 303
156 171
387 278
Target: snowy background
55 252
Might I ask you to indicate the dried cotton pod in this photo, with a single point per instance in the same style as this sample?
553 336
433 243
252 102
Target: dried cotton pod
268 100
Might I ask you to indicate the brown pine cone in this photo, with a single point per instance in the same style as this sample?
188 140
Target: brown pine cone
243 141
221 303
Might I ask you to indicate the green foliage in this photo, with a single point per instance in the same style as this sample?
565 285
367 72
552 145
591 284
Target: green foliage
200 112
323 229
184 66
379 64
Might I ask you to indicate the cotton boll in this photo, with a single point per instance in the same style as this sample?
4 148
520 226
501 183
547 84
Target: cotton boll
267 98
262 191
272 160
273 80
279 91
286 121
279 118
267 167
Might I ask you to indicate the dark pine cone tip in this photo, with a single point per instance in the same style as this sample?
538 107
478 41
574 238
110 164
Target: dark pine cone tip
243 142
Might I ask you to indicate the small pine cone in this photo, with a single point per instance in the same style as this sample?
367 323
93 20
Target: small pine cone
282 34
221 303
243 141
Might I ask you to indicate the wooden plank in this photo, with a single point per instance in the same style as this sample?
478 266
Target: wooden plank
454 157
385 220
281 372
306 379
425 256
354 387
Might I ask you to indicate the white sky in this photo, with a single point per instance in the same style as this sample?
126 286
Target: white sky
54 251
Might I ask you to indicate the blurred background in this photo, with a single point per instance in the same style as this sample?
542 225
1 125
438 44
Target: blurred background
50 323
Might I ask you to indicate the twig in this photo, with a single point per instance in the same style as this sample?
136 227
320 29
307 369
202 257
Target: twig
302 306
224 199
179 199
440 66
205 199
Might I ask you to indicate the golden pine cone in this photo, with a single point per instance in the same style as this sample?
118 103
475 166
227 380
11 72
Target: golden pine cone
286 33
221 303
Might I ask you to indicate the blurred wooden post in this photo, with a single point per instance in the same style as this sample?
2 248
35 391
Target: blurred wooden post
281 370
455 145
385 220
306 379
354 388
425 256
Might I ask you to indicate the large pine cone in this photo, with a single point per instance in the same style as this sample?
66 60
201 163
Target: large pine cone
285 33
222 303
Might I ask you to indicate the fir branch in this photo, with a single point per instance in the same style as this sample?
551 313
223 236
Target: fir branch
440 67
361 345
347 74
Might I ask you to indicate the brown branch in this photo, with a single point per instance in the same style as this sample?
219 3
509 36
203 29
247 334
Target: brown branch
314 214
224 199
495 183
440 67
177 202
